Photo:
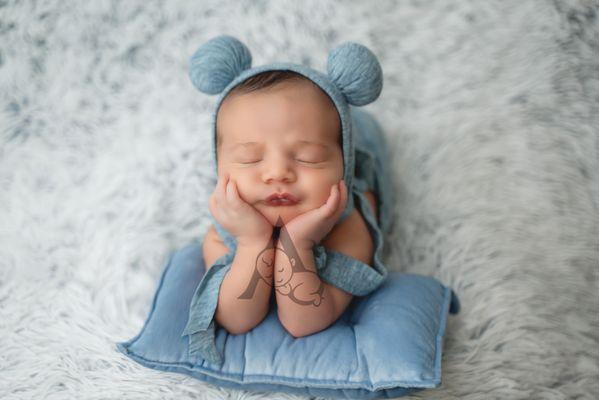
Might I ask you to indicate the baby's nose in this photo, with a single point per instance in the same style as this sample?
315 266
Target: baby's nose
278 170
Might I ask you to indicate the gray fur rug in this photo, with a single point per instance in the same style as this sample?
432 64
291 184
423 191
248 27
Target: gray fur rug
492 112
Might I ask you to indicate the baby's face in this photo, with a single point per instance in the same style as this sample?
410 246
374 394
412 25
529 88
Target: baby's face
283 139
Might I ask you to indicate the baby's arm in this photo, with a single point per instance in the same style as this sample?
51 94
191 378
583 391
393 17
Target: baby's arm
351 238
238 309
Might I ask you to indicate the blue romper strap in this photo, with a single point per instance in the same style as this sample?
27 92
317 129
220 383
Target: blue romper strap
348 273
201 324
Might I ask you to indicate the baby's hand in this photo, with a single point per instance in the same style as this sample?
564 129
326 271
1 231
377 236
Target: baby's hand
307 229
242 220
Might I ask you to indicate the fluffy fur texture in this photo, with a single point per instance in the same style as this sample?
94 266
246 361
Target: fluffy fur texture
492 113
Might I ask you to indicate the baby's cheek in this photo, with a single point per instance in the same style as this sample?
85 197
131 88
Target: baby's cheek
319 182
322 192
244 185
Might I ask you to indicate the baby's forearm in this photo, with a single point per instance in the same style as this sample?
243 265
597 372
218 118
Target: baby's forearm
298 312
243 300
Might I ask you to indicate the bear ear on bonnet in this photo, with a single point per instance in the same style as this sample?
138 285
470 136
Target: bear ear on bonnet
351 67
217 62
356 71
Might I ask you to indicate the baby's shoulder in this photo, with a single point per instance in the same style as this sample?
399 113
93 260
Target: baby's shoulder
352 229
352 238
212 234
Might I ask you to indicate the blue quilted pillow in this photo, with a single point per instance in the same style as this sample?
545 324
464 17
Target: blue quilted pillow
385 345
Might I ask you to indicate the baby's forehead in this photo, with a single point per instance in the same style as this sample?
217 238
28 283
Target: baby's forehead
244 141
317 131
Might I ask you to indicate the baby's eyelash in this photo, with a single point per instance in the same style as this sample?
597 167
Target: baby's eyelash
304 161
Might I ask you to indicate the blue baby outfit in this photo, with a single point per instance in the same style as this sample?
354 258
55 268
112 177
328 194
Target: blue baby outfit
354 78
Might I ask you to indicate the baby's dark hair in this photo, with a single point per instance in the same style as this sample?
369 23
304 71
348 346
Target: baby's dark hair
267 79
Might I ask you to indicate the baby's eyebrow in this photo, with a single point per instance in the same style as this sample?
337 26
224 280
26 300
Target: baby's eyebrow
245 144
304 142
300 142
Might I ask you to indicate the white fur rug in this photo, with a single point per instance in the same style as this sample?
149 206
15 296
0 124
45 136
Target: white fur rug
492 111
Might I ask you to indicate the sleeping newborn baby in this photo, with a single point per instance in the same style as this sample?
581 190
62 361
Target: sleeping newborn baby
302 197
280 165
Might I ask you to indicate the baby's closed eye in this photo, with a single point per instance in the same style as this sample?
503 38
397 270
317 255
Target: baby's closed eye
305 154
310 159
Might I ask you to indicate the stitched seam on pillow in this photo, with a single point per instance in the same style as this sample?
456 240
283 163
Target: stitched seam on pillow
357 355
393 384
441 333
293 381
154 301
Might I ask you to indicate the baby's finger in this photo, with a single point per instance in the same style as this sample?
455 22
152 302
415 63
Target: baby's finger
212 205
342 199
330 206
221 186
233 194
339 205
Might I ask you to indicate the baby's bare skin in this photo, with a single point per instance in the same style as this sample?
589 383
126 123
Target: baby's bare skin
214 248
284 139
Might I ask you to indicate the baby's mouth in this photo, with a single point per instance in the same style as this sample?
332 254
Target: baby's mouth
280 202
280 199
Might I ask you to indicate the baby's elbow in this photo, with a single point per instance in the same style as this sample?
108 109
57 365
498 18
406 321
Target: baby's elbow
290 327
240 329
236 328
297 330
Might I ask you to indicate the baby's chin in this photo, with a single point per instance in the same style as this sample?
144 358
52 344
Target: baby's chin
286 213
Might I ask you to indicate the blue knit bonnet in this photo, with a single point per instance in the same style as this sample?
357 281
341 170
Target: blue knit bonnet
354 77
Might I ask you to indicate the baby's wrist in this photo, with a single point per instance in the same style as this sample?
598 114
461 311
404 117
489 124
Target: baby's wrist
253 240
301 245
